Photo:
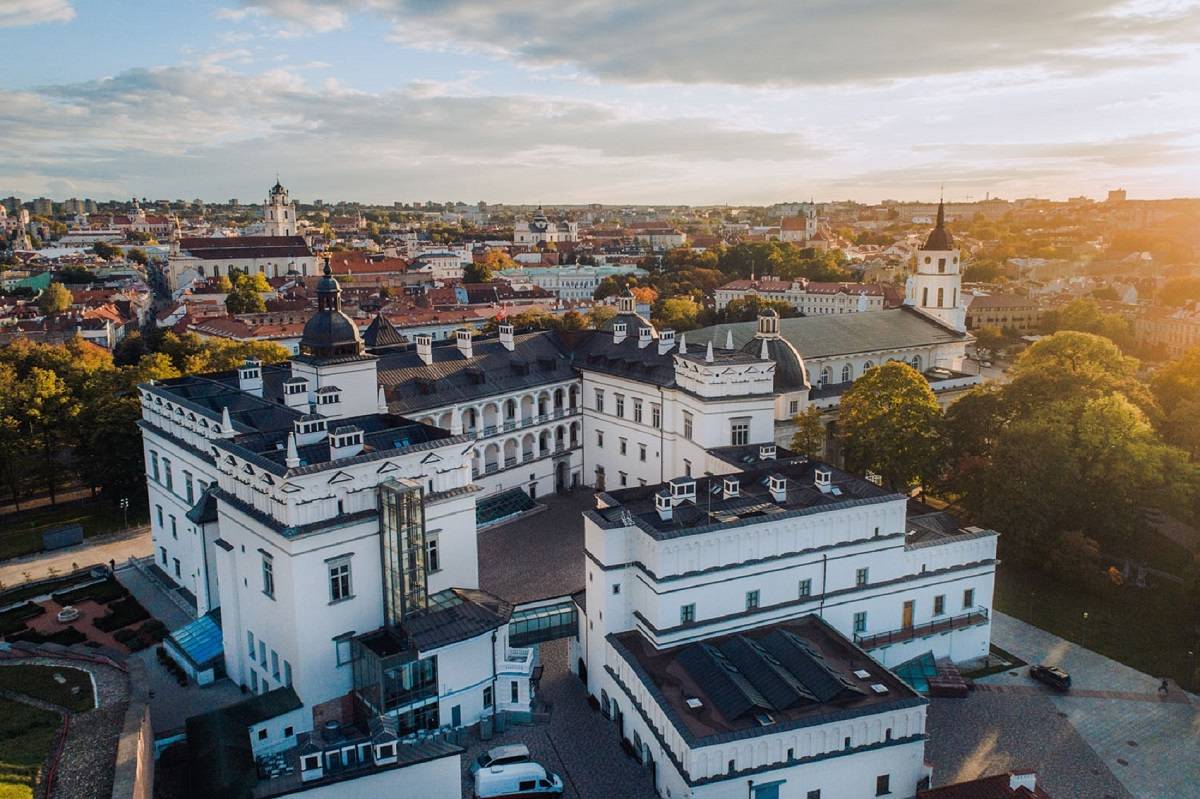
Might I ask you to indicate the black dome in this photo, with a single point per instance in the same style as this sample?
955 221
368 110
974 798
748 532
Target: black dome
330 333
939 238
790 374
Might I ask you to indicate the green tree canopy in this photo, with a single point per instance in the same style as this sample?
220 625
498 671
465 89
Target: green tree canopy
1084 315
809 438
245 297
55 299
677 313
747 309
889 424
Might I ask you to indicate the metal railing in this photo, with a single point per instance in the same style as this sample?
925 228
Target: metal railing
935 627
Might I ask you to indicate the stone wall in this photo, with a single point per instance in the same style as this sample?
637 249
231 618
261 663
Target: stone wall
134 770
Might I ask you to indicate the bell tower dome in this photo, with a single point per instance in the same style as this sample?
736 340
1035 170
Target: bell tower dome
935 285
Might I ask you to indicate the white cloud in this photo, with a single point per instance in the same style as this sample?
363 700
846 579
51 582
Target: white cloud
17 13
781 42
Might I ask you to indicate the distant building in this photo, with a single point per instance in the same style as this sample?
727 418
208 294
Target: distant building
808 297
934 286
573 282
279 214
659 239
800 228
1116 196
1175 330
1013 785
1003 311
541 230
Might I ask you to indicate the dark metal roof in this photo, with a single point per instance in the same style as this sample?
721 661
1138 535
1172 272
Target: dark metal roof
790 374
205 509
382 334
939 238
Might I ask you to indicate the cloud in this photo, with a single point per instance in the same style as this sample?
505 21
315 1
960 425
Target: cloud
18 13
781 42
204 128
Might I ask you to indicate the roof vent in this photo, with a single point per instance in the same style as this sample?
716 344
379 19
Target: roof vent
777 484
862 674
764 719
694 703
879 688
666 341
766 452
682 488
506 337
664 506
731 487
463 340
643 337
618 332
425 349
821 478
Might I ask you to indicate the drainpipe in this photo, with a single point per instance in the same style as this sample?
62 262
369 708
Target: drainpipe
495 698
824 584
662 411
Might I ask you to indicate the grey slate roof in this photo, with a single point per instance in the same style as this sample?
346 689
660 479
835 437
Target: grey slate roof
381 335
411 386
844 334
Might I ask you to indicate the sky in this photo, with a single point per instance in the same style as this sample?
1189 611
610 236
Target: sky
611 101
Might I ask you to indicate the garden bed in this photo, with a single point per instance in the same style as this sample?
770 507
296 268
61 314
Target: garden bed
13 620
103 592
73 693
122 613
27 734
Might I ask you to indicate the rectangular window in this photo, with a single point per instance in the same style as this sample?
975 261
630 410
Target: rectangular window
287 673
159 512
268 576
794 407
250 643
177 574
170 480
189 488
860 577
433 555
860 622
687 613
624 478
739 431
339 580
939 604
969 598
262 652
154 466
751 600
814 794
623 445
341 647
600 439
882 783
687 425
254 682
600 400
656 415
174 529
487 696
805 588
514 691
637 410
687 468
620 410
642 452
275 663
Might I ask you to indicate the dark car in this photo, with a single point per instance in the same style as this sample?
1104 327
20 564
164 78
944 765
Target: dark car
1053 676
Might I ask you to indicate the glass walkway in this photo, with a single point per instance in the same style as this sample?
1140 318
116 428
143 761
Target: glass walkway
502 507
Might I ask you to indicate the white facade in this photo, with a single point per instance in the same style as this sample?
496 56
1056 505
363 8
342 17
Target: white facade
577 282
935 285
540 230
279 214
809 298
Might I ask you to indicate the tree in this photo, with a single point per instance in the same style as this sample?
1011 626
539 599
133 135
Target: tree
55 299
888 423
678 313
1179 291
245 297
1084 315
106 250
50 410
747 309
1176 386
809 438
222 283
991 340
138 256
599 314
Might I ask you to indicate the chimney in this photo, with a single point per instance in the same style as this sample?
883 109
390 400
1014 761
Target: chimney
250 377
310 429
643 337
777 484
425 349
506 337
822 479
664 506
1023 779
666 341
463 339
766 452
345 442
295 392
618 332
730 487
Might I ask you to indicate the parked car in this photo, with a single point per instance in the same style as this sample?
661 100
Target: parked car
1053 676
501 756
517 781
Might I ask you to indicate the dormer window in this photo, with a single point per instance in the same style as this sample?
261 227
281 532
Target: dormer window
295 386
682 488
619 328
731 487
822 477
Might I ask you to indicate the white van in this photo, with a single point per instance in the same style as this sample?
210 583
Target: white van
501 756
517 781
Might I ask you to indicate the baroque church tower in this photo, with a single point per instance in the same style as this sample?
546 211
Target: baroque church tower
936 285
279 215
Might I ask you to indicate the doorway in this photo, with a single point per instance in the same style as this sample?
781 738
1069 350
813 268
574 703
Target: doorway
599 478
909 609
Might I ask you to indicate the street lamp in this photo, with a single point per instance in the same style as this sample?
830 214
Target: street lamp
1083 631
125 508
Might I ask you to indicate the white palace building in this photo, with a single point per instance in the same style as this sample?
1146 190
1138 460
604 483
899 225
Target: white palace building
742 607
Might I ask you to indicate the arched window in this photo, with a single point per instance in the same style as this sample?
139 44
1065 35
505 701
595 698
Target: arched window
868 366
826 376
847 373
916 362
941 297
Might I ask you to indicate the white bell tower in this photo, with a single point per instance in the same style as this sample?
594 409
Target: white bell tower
279 215
936 285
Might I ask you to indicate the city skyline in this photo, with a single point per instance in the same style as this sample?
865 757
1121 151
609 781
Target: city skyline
393 101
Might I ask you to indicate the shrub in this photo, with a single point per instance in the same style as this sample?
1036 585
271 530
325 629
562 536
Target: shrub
13 619
122 613
105 591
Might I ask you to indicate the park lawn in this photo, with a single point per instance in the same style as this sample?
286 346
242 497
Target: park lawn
38 682
1146 629
26 737
21 532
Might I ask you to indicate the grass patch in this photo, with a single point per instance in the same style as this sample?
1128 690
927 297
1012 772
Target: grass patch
38 682
26 736
1147 629
21 532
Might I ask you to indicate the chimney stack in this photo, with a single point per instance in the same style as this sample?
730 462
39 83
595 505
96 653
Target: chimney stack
463 338
643 337
618 332
822 479
664 505
250 377
1023 779
425 349
766 452
666 341
730 487
777 484
506 336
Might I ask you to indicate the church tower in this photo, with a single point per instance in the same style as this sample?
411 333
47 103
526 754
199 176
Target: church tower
935 286
279 215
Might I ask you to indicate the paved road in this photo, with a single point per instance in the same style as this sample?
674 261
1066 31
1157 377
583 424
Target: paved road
134 542
1112 736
